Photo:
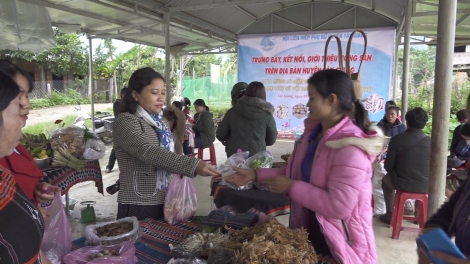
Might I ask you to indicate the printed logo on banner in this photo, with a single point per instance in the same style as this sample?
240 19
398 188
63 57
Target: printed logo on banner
267 43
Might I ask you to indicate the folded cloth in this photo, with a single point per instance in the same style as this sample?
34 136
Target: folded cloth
226 216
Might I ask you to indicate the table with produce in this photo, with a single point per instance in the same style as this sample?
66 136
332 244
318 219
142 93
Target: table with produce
252 195
68 156
225 236
196 241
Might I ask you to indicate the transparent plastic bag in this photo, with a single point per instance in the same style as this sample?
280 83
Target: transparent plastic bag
71 138
187 261
236 160
94 149
180 201
220 255
263 159
57 239
92 237
125 254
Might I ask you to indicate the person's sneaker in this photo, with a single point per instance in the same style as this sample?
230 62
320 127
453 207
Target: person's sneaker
386 219
108 169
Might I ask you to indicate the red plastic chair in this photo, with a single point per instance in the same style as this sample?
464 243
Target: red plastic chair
212 156
399 208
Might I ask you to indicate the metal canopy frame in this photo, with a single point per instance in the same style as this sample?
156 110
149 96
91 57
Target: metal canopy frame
206 25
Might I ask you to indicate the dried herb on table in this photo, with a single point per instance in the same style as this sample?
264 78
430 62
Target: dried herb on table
270 242
114 229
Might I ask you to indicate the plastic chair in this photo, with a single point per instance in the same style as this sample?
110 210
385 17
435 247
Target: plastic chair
399 208
212 156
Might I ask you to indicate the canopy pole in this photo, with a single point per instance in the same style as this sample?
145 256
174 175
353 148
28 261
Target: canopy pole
406 59
91 91
441 103
395 68
167 59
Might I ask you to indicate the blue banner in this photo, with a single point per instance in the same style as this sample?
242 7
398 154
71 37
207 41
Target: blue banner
284 62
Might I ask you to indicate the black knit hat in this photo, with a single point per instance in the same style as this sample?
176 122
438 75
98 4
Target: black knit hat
238 88
465 130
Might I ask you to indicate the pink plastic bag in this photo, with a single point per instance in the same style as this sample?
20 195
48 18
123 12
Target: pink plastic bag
86 254
181 200
57 240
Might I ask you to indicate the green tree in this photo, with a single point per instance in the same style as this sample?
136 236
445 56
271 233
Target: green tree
68 56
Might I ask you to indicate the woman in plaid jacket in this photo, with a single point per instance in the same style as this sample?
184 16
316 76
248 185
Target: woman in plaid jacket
145 149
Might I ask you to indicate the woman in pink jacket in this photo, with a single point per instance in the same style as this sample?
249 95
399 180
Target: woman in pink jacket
329 175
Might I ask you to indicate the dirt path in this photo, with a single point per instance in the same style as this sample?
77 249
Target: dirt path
54 113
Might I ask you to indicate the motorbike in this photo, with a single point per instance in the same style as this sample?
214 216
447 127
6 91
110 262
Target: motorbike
103 122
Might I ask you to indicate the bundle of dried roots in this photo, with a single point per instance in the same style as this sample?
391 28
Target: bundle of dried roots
271 243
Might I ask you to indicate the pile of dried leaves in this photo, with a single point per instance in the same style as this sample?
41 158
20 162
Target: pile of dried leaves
271 243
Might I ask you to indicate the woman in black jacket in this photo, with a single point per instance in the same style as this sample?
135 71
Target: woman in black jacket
250 125
203 125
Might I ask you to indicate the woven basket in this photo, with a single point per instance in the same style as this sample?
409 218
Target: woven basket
355 77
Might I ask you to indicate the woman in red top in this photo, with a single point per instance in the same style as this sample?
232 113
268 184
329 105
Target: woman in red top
21 226
21 164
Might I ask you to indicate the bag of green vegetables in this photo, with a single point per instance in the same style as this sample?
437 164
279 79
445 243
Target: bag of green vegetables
263 159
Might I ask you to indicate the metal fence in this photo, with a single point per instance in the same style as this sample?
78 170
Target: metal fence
213 92
44 89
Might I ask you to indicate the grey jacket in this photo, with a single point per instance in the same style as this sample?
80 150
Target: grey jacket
139 153
248 126
408 164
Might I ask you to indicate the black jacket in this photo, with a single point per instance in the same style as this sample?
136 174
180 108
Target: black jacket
408 161
249 126
391 130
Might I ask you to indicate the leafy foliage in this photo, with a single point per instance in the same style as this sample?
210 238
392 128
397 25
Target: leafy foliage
57 98
69 55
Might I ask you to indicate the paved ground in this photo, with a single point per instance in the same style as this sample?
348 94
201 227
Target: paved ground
54 113
389 251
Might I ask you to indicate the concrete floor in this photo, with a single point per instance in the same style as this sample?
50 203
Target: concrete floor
389 251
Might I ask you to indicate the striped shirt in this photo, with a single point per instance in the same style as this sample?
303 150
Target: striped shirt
21 224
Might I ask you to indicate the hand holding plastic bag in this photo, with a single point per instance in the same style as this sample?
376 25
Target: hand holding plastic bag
236 160
180 201
57 239
126 254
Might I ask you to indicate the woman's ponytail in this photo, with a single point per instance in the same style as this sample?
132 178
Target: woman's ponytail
361 116
207 108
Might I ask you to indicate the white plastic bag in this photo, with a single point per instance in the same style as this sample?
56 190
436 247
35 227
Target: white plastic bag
94 149
377 191
236 160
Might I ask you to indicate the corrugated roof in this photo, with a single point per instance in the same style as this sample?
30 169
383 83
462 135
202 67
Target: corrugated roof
209 24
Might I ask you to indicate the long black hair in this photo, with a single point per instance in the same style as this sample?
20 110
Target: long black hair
200 102
9 90
138 81
336 82
12 70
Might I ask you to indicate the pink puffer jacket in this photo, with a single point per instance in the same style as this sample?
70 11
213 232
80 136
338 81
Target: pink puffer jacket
340 192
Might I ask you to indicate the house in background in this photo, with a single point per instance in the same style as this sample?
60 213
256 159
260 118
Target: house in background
41 75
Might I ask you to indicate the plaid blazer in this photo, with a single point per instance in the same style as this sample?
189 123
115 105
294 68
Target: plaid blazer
138 153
